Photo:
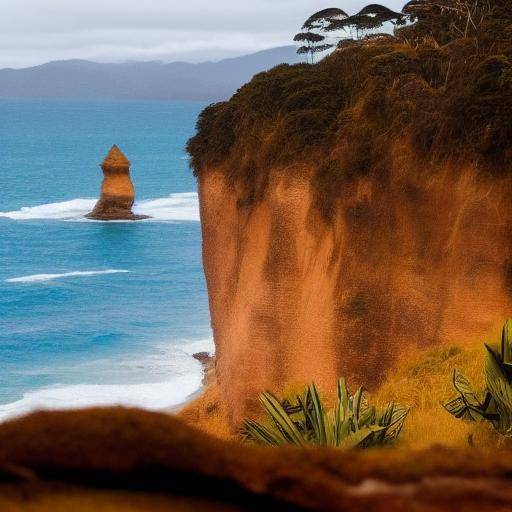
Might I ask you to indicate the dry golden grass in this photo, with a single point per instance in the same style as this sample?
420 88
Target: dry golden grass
423 381
205 413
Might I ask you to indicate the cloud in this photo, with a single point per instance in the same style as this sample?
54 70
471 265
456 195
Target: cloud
36 31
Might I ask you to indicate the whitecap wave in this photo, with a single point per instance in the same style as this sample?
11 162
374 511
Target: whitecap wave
177 377
179 207
152 396
194 347
59 211
39 278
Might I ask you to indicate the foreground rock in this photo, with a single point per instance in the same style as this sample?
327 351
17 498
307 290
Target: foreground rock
118 459
117 191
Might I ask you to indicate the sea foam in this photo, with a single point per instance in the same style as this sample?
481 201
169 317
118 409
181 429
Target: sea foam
38 278
179 207
174 359
152 396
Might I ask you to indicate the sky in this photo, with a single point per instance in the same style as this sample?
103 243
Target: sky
36 31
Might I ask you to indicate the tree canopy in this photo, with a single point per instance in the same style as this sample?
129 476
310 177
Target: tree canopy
333 24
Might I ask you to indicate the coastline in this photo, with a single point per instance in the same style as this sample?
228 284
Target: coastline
177 373
207 361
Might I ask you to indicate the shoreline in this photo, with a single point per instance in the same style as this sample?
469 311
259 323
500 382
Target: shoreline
207 361
173 393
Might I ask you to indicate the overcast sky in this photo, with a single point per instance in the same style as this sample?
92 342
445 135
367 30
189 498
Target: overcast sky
37 31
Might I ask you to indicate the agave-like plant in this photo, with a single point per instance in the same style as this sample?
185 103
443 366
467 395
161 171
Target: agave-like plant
352 422
494 403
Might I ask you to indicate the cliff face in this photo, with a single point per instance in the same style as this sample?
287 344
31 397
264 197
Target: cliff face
412 262
359 207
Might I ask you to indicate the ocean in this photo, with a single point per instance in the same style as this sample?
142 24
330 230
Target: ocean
98 313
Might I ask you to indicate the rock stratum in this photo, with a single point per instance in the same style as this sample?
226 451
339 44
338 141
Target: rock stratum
359 208
117 190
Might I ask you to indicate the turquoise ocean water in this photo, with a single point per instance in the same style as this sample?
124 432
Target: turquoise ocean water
95 312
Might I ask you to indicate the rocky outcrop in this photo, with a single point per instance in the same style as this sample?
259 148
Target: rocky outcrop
117 191
406 263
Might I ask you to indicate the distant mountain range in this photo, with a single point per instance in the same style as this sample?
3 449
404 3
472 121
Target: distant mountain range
85 80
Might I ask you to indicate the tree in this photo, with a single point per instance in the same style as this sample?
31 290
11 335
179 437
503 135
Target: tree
368 21
311 44
322 19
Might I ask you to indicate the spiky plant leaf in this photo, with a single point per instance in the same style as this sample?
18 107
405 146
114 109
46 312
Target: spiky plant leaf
496 406
362 437
343 399
463 386
497 380
397 420
263 434
281 419
317 414
352 422
499 386
330 427
457 407
506 343
357 403
367 417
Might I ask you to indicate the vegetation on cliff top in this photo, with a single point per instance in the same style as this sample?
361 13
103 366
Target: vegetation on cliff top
442 85
332 27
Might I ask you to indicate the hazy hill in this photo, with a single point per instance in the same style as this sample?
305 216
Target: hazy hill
81 79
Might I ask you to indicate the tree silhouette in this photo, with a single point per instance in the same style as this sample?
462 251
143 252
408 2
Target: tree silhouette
311 43
368 21
322 19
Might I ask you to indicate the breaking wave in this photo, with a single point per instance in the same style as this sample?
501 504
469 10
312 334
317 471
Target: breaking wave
183 378
180 207
39 278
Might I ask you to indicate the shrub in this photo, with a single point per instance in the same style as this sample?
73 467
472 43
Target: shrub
494 403
351 423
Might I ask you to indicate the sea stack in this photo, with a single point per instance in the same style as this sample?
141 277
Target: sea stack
117 190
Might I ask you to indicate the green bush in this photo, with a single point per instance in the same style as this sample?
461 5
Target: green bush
351 423
494 403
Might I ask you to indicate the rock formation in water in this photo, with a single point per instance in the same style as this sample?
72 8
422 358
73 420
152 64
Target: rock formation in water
117 191
360 208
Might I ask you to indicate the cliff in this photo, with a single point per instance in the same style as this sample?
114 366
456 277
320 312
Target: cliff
357 209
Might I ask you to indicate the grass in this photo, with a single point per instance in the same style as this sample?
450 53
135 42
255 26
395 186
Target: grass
206 414
421 381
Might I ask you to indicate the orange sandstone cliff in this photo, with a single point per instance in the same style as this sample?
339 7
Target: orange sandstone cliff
359 208
412 263
117 191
